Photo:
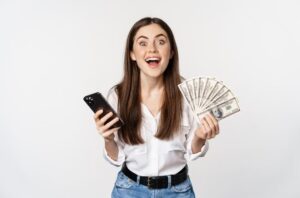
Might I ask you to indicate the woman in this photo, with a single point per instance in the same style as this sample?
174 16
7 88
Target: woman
160 133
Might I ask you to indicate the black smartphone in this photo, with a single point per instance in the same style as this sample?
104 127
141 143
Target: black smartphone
96 101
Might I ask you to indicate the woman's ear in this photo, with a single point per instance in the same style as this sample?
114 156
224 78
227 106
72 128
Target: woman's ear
132 56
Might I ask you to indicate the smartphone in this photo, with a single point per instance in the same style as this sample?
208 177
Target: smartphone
96 101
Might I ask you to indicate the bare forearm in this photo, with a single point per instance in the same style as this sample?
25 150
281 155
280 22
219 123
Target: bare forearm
112 149
197 144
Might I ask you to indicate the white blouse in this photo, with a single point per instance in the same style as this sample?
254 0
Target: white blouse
157 157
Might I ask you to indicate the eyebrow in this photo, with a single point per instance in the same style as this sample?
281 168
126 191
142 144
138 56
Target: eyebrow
148 38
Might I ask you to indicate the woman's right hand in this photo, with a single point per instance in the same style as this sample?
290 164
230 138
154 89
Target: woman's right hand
104 129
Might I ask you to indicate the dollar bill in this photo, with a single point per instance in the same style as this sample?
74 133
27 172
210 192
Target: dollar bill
192 92
223 110
211 97
196 86
206 94
203 81
219 94
185 92
223 98
211 83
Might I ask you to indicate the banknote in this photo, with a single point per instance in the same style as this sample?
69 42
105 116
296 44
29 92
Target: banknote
211 83
223 98
185 92
191 89
203 82
218 87
223 110
206 94
196 90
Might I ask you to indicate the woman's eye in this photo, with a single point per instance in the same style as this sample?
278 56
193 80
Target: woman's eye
142 43
161 42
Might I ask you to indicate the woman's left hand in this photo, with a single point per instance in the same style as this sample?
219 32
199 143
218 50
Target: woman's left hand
209 127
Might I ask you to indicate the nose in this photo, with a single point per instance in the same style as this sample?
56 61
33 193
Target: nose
152 47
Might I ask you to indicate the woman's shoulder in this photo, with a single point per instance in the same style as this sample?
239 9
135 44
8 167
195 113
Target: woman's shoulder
112 92
112 97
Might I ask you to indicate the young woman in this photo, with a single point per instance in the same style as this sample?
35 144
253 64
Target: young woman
160 134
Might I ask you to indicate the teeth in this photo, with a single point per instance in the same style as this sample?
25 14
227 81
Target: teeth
152 59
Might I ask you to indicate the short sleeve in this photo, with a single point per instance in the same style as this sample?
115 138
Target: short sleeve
112 99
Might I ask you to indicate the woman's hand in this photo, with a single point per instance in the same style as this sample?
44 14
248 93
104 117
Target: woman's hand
104 129
209 127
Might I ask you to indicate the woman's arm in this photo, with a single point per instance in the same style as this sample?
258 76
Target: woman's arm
208 130
112 149
197 144
111 146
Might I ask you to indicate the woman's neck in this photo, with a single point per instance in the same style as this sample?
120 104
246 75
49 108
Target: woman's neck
152 94
151 86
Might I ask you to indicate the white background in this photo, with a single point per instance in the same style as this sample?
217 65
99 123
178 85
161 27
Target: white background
52 53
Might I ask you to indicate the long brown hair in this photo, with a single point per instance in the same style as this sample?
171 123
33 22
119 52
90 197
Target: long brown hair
129 96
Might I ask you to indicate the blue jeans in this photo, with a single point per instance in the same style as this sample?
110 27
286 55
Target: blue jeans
127 188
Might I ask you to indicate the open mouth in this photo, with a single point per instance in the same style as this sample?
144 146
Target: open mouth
153 61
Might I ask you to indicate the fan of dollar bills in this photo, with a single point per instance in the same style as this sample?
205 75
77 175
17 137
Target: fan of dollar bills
205 94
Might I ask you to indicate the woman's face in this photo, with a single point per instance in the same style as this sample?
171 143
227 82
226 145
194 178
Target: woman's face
151 50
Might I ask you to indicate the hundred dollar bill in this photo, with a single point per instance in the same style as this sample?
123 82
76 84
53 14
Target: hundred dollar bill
206 94
216 89
219 94
191 89
203 81
185 92
222 110
211 82
223 98
196 92
196 88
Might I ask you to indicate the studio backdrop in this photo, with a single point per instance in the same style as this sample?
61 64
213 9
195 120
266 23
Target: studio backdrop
53 53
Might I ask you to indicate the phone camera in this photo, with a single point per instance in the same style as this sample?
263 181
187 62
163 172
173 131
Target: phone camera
90 100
